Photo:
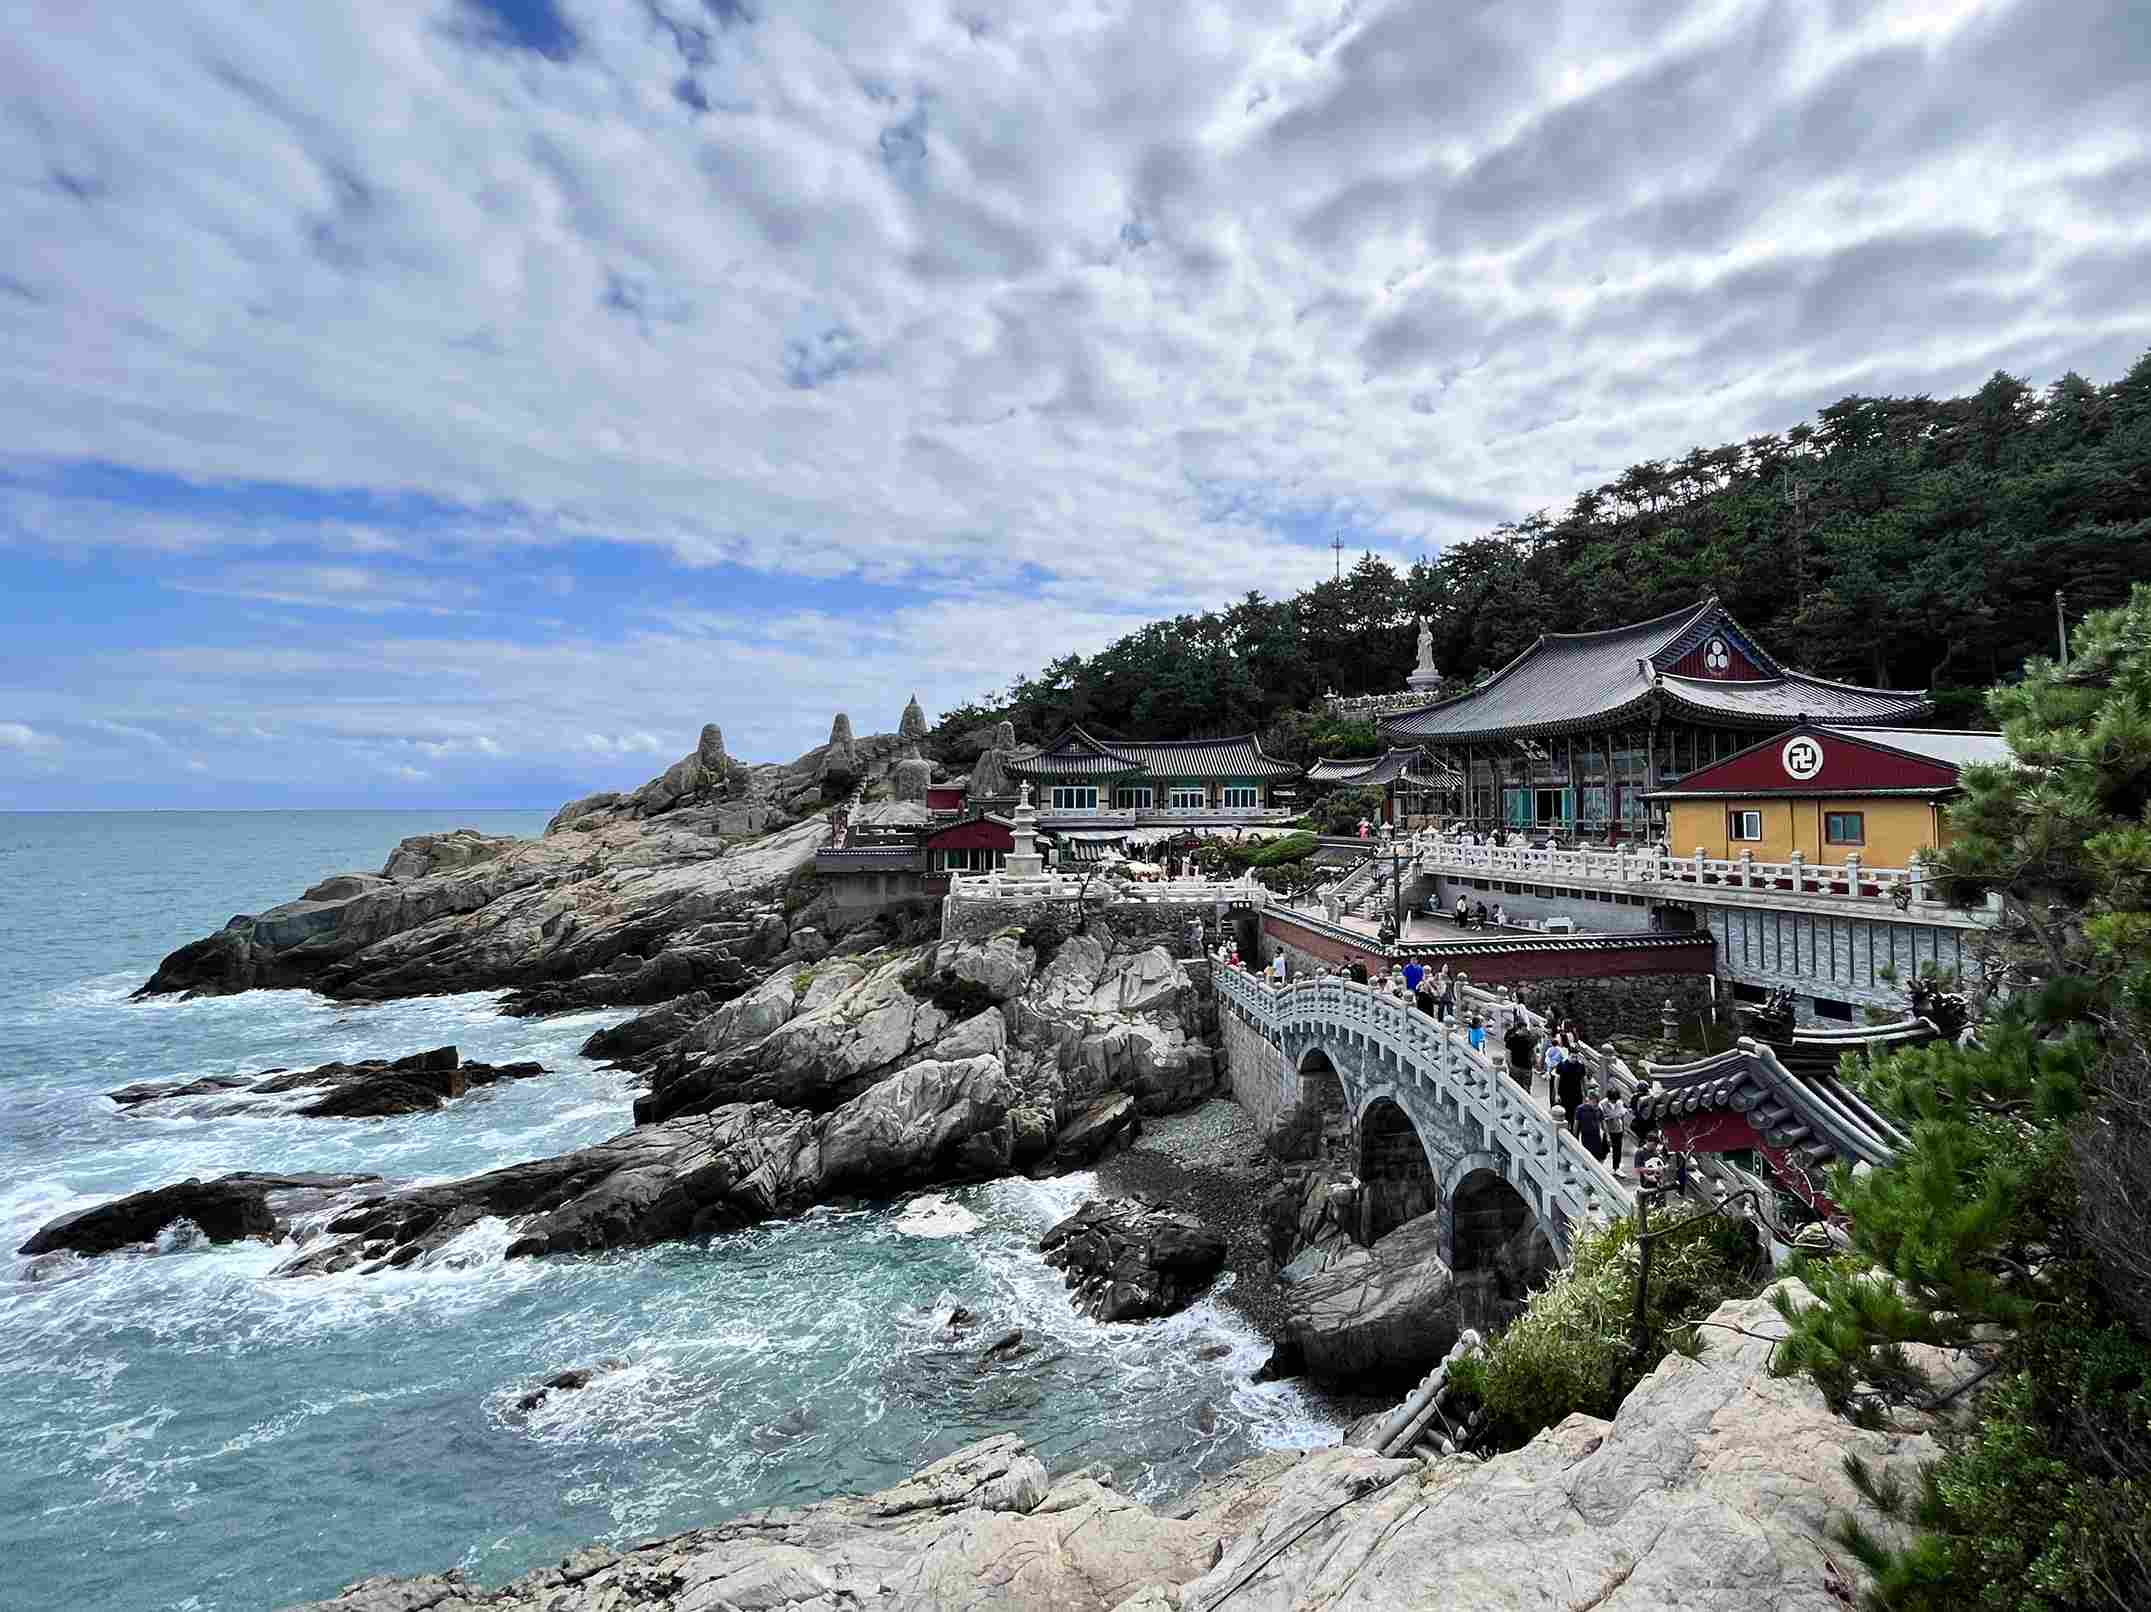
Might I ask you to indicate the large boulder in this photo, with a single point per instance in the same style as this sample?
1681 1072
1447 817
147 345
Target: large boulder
1131 1260
1101 1128
1001 966
933 1121
1382 1312
1147 981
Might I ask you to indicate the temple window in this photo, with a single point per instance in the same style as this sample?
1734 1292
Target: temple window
1075 797
1743 825
1844 828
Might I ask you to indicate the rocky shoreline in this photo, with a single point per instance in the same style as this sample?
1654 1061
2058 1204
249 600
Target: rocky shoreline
1706 1491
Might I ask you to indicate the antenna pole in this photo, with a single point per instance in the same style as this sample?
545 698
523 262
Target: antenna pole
2061 630
1337 543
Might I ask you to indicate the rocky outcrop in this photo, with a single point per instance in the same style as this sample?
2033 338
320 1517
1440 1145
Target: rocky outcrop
607 903
370 1088
573 1380
1102 1127
699 1174
227 1209
1705 1493
985 1527
1130 1260
1378 1312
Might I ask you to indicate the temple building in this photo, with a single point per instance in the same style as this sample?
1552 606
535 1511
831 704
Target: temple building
1827 794
1223 782
1581 731
1414 789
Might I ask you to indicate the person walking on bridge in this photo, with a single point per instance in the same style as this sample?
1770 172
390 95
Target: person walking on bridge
1590 1125
1521 1044
1615 1115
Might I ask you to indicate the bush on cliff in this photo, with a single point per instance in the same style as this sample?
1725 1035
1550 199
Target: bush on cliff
1572 1348
2018 1223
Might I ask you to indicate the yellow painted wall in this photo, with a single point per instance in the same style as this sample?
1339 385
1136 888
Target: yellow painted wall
1895 829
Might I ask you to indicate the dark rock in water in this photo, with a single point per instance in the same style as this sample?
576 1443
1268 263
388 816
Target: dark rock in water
648 1031
1128 1260
698 1174
1387 1311
368 1089
1109 1123
1213 1351
562 1382
631 981
1284 1362
227 1209
1008 1345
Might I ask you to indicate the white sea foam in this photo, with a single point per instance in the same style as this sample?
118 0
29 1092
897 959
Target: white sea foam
933 1214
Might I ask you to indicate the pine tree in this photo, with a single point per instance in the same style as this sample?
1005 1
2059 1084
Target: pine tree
2017 1224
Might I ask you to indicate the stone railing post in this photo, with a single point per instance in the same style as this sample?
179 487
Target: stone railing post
1799 880
1852 874
1747 870
1699 861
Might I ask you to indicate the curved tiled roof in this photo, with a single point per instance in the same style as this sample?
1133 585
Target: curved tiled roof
1074 753
1804 1110
1570 682
1394 763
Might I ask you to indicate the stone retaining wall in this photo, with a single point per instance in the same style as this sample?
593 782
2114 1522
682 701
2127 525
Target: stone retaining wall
1253 1067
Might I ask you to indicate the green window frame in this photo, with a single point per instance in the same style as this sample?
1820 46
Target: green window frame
1844 828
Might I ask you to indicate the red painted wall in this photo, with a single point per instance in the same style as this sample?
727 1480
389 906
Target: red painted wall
1848 766
944 799
975 835
1489 966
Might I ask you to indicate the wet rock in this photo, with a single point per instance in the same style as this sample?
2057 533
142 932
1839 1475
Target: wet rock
1008 1344
370 1088
698 1174
1105 1125
1389 1310
1128 1260
567 1382
226 1209
647 1031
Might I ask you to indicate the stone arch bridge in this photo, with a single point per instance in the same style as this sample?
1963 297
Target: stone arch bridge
1435 1125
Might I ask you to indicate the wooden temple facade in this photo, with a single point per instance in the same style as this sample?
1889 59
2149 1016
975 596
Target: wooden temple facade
1574 735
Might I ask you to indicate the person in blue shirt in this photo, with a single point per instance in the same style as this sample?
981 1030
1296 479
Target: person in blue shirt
1478 1034
1413 974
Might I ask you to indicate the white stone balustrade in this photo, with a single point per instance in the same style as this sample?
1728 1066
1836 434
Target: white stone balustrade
1439 1065
1644 871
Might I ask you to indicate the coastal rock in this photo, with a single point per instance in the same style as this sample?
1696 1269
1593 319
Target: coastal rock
570 1381
645 1032
1388 1310
935 1120
371 1088
614 876
226 1209
696 1175
981 1528
1109 1123
1705 1493
1001 966
1129 1260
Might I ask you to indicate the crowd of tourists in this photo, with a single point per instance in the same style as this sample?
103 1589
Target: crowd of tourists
1598 1115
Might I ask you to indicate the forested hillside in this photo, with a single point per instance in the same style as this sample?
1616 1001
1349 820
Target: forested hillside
1906 542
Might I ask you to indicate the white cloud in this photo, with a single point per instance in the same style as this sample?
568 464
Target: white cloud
921 296
21 736
1059 317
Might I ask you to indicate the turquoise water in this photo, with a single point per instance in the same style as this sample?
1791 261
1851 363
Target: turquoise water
177 1429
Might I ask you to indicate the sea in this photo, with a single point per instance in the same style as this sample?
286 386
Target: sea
182 1428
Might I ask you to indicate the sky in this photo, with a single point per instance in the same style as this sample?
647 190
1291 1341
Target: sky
459 402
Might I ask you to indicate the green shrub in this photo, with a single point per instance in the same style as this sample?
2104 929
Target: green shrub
1571 1349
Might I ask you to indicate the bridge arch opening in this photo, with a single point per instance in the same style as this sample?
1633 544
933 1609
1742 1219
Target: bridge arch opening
1396 1181
1322 1088
1497 1244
